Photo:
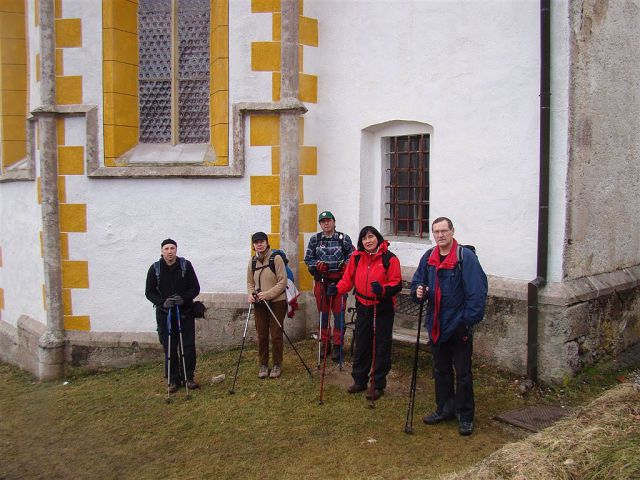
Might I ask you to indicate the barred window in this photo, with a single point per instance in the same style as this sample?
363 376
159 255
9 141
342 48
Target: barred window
407 185
173 87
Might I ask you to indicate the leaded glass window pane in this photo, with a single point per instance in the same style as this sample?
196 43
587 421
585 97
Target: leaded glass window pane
193 47
157 108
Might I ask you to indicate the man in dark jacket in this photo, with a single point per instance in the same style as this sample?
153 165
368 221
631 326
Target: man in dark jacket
171 287
451 278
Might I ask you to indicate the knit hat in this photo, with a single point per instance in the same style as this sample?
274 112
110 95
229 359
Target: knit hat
326 214
258 236
168 241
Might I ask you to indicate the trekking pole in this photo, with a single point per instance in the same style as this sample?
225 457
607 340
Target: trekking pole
168 357
287 337
324 363
244 335
408 426
372 401
342 327
184 364
320 320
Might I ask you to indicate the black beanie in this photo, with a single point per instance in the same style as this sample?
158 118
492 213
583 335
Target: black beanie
256 237
167 242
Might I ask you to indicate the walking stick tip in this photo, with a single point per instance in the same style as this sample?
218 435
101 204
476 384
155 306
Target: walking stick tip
408 430
231 392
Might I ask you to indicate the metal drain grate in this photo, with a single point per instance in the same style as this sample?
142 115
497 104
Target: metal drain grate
533 418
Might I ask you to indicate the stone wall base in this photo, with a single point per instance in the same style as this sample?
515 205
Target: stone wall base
581 321
221 329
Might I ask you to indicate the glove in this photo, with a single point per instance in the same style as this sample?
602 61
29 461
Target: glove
168 303
332 290
322 267
178 300
377 288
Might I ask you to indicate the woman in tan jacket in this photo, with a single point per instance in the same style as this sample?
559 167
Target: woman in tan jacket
267 284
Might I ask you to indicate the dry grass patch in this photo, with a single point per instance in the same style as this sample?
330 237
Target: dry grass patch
600 441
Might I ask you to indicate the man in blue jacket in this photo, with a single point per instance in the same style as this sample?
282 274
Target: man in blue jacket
451 278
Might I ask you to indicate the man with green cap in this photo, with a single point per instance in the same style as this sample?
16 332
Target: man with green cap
326 258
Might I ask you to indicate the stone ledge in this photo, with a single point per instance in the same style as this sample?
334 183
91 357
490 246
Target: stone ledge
588 288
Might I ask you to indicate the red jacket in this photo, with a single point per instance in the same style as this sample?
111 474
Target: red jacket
370 269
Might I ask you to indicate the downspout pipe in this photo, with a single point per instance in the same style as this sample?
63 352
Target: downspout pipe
533 287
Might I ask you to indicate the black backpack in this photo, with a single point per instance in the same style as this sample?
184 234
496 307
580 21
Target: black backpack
156 267
460 253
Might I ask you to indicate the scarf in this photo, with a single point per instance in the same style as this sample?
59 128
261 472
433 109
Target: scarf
449 263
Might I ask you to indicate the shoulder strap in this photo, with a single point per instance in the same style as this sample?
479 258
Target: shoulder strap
156 267
272 262
341 240
386 259
183 265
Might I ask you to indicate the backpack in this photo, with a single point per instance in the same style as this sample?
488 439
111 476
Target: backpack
272 263
460 253
156 267
291 292
386 260
319 236
197 308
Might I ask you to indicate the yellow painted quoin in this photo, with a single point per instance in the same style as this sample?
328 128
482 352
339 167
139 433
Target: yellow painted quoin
265 129
73 216
13 83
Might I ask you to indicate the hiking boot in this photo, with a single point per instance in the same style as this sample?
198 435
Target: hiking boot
377 393
263 372
465 428
335 356
437 417
192 384
355 388
173 387
276 371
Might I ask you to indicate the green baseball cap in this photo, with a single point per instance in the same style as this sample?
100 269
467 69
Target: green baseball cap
326 214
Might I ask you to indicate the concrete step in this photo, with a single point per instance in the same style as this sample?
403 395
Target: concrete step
408 335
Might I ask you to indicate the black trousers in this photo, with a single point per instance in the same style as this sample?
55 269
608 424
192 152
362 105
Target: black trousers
454 394
363 353
172 359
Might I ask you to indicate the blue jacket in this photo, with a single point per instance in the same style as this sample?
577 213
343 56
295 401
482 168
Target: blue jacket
464 292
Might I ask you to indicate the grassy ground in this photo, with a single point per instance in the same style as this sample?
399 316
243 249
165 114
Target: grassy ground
117 425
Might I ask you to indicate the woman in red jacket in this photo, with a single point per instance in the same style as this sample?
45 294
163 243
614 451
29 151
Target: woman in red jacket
374 273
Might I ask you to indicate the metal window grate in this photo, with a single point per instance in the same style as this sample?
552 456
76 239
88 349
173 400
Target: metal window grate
407 185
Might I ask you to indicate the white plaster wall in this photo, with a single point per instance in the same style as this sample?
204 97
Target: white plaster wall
21 273
377 61
87 59
244 28
211 219
468 69
560 64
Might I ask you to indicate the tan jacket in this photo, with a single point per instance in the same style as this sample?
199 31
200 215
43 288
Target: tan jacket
273 285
